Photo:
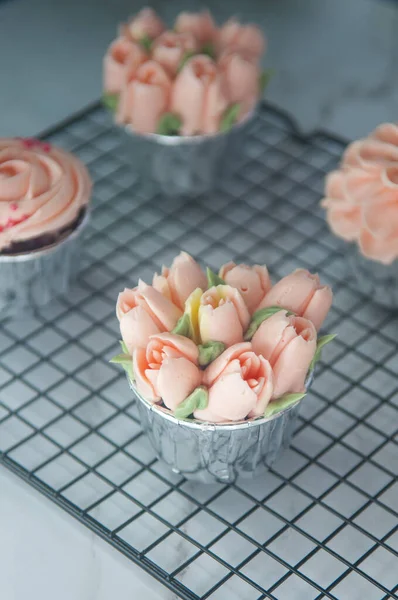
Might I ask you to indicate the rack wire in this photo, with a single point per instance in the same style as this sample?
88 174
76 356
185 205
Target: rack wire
323 523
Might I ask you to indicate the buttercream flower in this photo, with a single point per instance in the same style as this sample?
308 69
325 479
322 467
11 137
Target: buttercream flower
144 97
241 80
252 282
302 293
170 48
197 96
218 315
145 24
240 385
247 38
200 25
289 343
362 196
180 280
121 53
142 312
167 369
42 189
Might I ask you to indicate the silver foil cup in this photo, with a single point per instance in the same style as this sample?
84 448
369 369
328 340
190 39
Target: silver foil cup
31 279
377 281
182 166
216 453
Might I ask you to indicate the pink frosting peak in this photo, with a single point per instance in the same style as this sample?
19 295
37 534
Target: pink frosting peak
246 38
240 385
302 293
145 24
197 96
42 189
361 198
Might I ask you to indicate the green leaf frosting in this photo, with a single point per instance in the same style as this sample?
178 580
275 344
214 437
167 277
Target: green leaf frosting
146 42
229 117
110 101
259 316
187 56
125 361
213 279
120 359
322 341
169 124
209 352
197 400
282 403
209 50
183 326
124 347
265 78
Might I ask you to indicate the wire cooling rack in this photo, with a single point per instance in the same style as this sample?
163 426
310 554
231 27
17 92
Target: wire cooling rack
323 523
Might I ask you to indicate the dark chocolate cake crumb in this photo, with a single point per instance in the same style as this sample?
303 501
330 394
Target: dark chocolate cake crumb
43 241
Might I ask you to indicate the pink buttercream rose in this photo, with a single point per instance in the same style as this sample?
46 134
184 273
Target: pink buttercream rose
197 97
42 189
252 282
289 344
241 80
142 312
170 48
145 24
200 25
167 369
240 385
302 293
121 54
222 315
145 97
362 196
180 280
246 38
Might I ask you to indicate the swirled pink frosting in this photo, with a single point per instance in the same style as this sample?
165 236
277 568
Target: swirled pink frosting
362 196
42 189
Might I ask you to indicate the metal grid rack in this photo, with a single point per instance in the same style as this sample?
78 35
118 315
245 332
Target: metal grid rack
324 522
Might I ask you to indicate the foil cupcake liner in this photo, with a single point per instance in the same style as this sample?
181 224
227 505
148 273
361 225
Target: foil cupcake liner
373 279
183 166
32 279
216 453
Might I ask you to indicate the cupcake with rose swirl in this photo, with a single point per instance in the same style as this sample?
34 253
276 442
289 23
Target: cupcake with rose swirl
362 208
44 195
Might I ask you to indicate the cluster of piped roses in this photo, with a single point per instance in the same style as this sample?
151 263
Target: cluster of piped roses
362 195
194 79
224 347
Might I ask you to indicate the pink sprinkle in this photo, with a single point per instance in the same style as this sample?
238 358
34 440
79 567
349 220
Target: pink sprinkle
29 143
14 206
12 222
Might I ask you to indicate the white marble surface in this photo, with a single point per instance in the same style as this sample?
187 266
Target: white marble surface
46 554
337 65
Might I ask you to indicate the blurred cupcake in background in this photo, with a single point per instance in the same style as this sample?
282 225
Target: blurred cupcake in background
362 208
182 91
44 196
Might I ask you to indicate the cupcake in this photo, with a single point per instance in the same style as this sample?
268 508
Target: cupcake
44 195
221 361
362 208
182 91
